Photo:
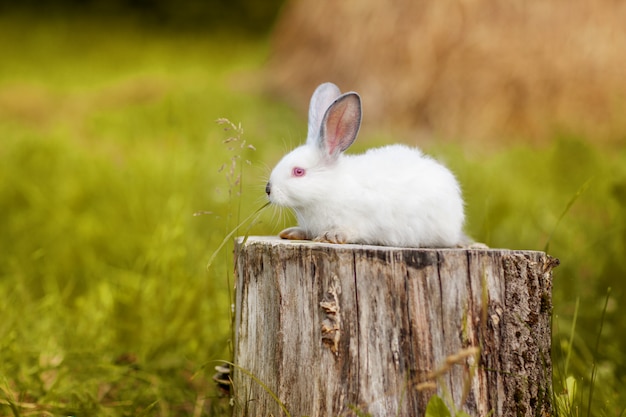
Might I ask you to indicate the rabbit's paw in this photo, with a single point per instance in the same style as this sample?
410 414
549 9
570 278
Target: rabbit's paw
332 237
293 233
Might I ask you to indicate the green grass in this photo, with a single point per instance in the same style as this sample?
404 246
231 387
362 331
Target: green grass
109 145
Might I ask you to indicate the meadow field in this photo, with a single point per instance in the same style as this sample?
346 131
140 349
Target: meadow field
118 185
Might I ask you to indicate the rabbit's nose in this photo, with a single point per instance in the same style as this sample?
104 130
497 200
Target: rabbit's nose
267 189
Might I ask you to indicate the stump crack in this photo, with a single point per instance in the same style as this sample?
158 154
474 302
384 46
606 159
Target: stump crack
331 324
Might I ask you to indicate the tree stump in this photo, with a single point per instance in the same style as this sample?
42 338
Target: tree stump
344 330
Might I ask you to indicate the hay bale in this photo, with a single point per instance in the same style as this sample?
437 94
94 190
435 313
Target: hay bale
462 68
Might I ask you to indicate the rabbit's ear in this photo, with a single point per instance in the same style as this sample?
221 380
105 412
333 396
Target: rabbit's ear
340 124
321 100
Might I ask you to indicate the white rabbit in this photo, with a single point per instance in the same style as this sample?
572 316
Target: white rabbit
393 196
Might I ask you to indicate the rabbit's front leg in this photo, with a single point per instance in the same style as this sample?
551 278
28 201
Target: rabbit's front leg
294 233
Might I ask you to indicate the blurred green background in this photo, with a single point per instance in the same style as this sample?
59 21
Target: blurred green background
117 185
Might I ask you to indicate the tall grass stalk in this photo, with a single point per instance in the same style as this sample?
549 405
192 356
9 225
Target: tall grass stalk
571 337
261 384
569 205
250 221
594 366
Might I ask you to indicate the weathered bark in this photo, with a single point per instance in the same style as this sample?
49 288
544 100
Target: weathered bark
335 330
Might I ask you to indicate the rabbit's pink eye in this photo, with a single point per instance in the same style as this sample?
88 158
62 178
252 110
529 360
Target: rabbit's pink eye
298 172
